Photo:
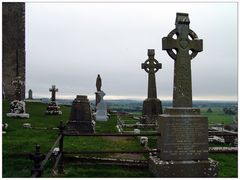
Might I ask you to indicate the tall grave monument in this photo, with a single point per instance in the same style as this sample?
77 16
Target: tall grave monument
53 108
152 106
17 106
101 108
183 143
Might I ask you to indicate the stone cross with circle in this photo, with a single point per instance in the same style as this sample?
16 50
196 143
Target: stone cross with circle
151 66
186 46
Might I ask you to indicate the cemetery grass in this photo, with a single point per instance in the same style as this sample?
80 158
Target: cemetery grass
19 142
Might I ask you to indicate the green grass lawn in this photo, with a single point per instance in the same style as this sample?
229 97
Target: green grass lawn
217 116
20 140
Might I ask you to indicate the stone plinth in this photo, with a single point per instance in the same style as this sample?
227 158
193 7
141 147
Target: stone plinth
17 109
101 113
81 118
183 144
151 108
53 109
197 168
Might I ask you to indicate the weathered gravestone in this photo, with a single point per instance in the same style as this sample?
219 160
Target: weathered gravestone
152 106
98 85
53 108
30 94
183 143
81 118
101 109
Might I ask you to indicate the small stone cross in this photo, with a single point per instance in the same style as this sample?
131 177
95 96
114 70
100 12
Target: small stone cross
53 90
151 66
187 45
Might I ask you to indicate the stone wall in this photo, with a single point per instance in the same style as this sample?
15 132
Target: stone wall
13 39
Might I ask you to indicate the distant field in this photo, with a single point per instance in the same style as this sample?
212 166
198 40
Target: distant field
217 116
19 141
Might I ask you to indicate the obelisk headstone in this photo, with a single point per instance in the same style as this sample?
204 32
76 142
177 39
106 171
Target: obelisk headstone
53 108
183 143
81 119
152 106
101 109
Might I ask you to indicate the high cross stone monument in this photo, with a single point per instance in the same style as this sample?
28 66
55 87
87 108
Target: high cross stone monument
183 143
152 106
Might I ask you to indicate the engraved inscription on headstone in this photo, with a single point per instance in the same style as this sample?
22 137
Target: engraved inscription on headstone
183 140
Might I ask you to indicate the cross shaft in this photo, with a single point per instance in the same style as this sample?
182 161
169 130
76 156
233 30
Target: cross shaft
187 45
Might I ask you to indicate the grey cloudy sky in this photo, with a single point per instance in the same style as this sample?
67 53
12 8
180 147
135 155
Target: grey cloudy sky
68 44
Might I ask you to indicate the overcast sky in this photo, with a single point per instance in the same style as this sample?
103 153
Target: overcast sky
68 44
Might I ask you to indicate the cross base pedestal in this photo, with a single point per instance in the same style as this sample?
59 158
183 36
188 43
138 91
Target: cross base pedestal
53 109
190 168
152 106
149 119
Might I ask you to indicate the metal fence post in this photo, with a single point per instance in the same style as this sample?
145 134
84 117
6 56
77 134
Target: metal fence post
37 171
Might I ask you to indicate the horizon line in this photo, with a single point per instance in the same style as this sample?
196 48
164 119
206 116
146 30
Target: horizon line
141 98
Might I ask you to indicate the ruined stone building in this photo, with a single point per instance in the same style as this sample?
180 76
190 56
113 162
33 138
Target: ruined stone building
13 45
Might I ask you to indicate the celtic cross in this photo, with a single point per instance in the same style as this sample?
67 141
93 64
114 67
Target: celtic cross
53 90
187 45
151 66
